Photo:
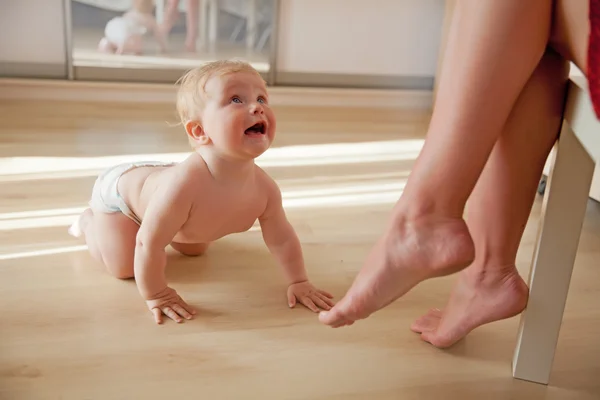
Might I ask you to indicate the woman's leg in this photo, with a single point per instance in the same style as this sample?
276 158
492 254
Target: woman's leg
570 31
493 48
191 20
170 17
491 289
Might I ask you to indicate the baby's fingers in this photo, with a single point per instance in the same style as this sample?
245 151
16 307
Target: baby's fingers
157 315
182 311
188 308
326 294
309 303
171 314
320 302
326 299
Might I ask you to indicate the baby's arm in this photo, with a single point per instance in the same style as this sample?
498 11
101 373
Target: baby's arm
280 237
167 211
283 243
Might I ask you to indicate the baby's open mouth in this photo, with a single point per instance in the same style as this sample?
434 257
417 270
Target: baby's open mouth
258 128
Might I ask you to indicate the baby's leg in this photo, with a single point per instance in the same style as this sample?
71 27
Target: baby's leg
104 46
190 249
111 240
133 45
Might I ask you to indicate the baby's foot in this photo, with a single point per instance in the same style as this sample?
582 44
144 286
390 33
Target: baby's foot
410 252
104 46
78 227
479 297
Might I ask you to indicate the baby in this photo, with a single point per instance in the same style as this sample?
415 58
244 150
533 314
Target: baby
137 209
124 34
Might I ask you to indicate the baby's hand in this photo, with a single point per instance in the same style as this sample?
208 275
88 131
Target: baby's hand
310 296
169 303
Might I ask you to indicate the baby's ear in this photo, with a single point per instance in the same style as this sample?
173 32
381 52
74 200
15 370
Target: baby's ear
196 132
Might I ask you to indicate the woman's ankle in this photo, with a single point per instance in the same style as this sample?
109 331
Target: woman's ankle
414 207
490 270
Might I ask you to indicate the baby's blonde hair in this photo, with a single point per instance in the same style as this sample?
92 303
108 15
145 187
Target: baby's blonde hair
192 85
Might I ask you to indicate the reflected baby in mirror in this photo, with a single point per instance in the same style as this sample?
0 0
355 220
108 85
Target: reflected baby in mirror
125 34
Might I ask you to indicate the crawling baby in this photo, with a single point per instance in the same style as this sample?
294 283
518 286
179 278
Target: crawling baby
138 209
124 34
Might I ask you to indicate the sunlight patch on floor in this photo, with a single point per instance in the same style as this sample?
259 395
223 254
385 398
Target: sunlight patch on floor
35 223
43 252
330 196
335 179
66 249
288 156
54 212
345 190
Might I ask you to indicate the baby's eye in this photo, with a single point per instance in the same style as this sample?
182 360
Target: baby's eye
262 100
236 100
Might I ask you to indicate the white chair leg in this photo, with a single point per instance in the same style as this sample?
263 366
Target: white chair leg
562 217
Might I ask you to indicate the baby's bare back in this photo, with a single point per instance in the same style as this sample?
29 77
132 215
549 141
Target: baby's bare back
218 208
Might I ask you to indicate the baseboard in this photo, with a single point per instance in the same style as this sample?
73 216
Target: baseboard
354 81
138 73
63 90
33 70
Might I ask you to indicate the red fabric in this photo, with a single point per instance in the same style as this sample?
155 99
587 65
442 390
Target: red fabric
594 55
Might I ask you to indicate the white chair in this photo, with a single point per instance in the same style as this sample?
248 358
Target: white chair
565 199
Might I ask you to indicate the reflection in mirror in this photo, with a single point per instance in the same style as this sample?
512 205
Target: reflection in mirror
171 34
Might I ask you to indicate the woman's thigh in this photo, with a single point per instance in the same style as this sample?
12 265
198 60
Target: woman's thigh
570 31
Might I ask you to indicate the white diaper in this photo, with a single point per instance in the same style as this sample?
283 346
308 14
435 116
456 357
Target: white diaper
105 194
119 29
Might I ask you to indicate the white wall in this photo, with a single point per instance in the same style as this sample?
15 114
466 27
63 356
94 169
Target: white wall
372 37
32 39
32 31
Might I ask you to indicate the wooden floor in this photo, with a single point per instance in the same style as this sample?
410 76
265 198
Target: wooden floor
69 331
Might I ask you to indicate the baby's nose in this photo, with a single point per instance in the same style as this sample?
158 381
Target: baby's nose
257 109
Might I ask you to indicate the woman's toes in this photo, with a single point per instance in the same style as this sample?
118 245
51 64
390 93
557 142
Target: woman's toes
427 322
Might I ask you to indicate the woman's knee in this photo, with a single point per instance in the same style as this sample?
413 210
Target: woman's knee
570 31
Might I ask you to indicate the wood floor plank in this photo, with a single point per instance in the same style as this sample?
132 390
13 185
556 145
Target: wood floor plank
70 331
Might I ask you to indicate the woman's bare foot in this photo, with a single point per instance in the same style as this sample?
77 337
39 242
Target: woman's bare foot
190 45
408 253
479 297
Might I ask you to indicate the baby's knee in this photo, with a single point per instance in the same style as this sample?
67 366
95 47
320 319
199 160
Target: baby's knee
121 271
104 46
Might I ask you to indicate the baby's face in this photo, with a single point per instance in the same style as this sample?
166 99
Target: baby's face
237 117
